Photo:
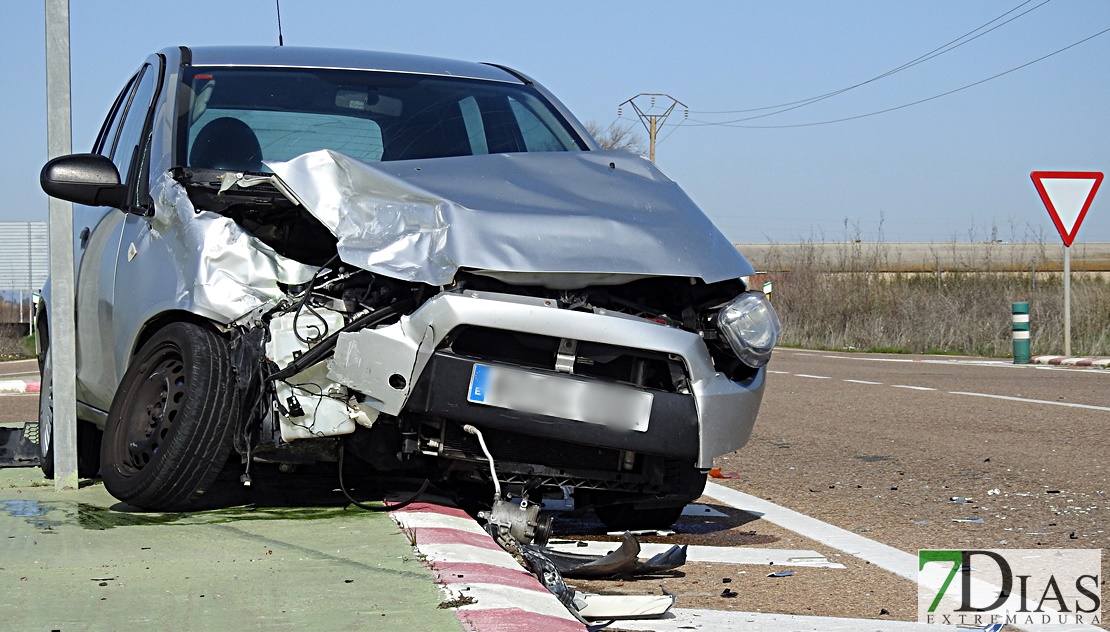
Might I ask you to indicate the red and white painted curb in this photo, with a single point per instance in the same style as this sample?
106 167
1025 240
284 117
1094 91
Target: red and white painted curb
1097 363
470 566
19 386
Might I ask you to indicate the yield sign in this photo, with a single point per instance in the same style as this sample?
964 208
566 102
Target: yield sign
1067 195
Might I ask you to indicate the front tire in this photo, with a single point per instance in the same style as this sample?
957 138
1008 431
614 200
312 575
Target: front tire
167 435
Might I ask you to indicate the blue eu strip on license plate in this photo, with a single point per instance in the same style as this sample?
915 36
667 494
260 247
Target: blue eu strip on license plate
478 384
595 402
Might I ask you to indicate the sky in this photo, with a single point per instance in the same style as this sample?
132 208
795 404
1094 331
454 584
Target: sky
952 168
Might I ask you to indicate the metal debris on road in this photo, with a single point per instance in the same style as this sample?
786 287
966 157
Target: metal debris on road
969 520
781 574
623 561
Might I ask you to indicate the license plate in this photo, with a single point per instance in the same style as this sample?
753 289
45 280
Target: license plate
600 403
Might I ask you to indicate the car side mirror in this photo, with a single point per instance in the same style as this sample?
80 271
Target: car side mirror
89 179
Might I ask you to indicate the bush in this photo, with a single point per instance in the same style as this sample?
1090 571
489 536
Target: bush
846 298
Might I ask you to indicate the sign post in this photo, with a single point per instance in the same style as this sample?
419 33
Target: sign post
1067 195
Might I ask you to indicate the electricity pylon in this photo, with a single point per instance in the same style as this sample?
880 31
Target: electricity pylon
653 121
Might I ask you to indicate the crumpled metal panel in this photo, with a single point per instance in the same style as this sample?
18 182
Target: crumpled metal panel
595 212
223 272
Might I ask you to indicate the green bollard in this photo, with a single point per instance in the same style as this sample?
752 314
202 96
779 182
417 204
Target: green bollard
1020 320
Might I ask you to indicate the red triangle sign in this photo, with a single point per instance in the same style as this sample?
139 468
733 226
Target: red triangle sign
1067 195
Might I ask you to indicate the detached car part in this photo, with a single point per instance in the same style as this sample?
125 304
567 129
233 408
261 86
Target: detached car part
622 562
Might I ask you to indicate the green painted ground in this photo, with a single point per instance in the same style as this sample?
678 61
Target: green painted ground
74 561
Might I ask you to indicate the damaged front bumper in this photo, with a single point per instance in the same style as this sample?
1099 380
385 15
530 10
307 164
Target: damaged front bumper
405 366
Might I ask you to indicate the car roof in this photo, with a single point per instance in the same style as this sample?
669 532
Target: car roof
304 57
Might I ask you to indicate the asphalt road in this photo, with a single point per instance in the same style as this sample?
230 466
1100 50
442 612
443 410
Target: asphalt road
853 427
878 445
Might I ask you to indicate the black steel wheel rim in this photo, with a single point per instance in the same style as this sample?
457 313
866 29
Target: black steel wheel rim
152 407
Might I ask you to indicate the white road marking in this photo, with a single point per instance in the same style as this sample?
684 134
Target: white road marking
691 619
1033 401
779 372
1009 364
812 377
886 557
29 374
864 382
1060 368
913 388
712 554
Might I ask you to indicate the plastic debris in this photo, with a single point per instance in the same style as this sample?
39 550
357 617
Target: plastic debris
729 593
993 492
702 511
717 473
623 606
969 520
781 574
960 499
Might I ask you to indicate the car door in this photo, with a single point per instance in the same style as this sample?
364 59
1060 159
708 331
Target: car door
98 235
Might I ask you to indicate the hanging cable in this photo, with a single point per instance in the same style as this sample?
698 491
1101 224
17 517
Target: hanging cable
489 457
384 507
936 52
696 123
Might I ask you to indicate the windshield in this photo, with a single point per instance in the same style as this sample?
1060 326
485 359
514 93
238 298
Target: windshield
234 118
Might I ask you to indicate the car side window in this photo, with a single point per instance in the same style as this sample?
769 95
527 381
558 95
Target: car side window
538 136
134 120
106 139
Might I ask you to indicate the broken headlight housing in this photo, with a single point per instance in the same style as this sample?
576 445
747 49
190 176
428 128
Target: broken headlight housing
751 327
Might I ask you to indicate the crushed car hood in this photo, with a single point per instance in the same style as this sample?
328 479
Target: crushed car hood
590 213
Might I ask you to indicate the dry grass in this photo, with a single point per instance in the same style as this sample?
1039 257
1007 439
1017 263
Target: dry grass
844 297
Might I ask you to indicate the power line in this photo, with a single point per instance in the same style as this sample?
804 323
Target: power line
936 52
696 123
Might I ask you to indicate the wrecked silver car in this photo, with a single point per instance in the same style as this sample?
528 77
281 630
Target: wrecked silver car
286 255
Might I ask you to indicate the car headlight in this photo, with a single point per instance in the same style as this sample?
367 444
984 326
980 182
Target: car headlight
751 327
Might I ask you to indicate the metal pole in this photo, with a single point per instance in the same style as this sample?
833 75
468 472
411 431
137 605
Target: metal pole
1067 301
1019 320
63 357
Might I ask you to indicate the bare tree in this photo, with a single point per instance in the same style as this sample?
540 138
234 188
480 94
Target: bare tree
617 136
